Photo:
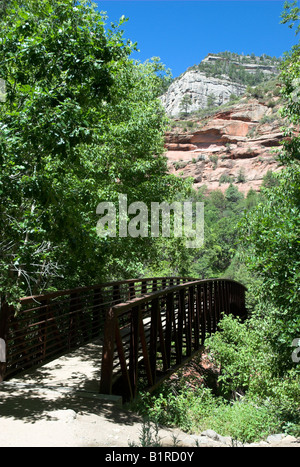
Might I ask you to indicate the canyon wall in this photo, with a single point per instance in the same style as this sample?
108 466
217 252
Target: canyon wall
237 145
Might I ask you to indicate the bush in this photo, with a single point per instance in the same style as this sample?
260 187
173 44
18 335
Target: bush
214 159
250 400
225 178
252 370
246 422
195 410
241 178
242 351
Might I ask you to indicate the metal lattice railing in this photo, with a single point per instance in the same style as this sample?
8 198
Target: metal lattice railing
148 337
52 324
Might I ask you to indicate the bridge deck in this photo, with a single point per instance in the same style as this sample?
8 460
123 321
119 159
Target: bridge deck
76 373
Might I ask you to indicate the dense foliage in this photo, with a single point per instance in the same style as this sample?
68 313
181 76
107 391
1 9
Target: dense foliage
80 124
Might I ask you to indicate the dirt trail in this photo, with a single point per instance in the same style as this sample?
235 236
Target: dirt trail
40 417
58 405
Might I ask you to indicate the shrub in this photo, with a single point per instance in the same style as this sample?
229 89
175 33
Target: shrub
241 178
243 353
214 159
198 409
225 178
245 422
251 369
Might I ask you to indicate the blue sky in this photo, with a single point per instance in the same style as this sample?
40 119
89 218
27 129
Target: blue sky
182 33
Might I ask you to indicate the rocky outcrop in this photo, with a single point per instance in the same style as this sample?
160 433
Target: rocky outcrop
215 80
233 146
268 69
198 87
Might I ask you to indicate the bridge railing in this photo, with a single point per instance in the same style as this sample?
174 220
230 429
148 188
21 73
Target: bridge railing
148 337
52 324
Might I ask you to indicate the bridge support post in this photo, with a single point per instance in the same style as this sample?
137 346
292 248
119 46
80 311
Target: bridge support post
153 338
133 354
169 322
108 353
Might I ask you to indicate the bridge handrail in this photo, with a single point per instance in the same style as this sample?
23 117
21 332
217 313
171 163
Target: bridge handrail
59 293
136 330
129 304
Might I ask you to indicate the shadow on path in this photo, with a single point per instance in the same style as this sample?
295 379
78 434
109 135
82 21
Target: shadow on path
69 382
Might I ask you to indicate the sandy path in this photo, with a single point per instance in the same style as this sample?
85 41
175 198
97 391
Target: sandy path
58 405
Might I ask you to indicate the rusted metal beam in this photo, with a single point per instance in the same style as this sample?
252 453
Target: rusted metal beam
111 329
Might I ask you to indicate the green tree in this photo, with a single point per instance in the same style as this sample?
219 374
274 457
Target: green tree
271 231
290 76
291 14
222 212
185 103
211 101
81 123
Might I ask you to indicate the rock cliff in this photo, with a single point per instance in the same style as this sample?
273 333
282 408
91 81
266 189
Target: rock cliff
236 145
215 80
199 89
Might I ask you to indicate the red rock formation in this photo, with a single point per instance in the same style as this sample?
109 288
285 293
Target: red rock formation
237 145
